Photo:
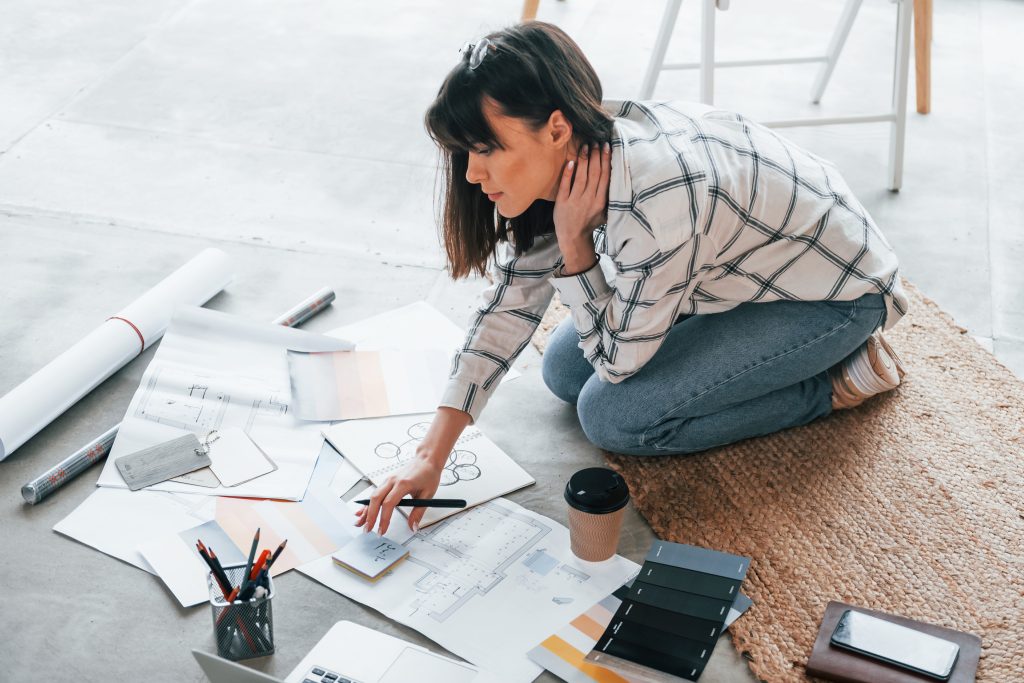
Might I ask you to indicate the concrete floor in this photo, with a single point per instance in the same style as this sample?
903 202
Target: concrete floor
134 134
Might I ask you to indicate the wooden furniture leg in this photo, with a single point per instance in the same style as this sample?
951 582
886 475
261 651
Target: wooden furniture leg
530 9
923 54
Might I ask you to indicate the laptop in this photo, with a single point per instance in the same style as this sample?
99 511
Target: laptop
220 670
350 653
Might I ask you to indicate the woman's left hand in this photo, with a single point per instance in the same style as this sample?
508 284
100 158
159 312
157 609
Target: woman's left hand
581 206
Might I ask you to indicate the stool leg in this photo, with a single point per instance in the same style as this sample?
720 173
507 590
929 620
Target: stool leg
899 95
923 54
530 10
707 52
668 24
835 48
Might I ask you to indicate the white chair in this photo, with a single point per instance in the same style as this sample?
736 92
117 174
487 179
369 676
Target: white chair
897 116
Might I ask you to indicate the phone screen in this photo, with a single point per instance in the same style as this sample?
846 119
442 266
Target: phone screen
896 644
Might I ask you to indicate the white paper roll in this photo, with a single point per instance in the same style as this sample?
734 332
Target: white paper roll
37 401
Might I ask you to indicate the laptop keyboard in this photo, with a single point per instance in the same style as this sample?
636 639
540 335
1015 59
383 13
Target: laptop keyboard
318 674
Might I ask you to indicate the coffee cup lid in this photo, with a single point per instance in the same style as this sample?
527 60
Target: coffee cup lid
597 490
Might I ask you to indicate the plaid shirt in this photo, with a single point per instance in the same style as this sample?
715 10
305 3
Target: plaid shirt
706 210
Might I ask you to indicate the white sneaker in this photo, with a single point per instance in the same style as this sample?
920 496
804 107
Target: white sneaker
872 369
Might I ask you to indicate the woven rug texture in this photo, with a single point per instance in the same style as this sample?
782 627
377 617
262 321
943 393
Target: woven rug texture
912 503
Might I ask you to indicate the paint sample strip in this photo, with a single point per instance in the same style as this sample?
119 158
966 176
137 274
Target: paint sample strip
349 385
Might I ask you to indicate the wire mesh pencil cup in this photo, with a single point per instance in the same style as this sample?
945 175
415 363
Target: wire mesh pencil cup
242 629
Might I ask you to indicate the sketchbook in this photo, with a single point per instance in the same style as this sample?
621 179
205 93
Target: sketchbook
477 470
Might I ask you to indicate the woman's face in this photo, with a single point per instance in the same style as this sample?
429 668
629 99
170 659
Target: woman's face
527 167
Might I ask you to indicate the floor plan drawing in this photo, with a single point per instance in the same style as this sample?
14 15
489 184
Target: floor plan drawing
183 400
272 407
573 574
488 584
457 569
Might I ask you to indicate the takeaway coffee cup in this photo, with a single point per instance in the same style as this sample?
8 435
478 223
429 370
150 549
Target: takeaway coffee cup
597 499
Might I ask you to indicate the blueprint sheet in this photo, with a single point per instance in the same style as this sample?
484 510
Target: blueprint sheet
216 371
488 584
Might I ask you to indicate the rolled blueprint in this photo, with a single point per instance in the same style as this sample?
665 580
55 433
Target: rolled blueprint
37 401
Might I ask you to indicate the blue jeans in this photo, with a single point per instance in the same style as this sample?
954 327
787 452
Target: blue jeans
717 378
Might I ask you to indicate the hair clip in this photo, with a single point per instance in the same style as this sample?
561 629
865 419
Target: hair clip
477 52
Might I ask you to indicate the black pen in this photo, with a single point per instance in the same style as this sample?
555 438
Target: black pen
424 502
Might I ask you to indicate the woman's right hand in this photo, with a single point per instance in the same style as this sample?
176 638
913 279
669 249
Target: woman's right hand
420 477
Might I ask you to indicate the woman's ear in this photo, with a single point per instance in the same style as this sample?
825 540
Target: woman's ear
559 129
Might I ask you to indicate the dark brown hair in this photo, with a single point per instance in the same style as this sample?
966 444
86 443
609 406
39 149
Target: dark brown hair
529 70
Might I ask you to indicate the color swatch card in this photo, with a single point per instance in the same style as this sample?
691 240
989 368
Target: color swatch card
476 470
673 613
349 385
564 652
370 555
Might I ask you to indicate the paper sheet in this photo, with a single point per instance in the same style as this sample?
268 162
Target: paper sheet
419 325
176 561
345 478
488 584
218 371
477 470
236 459
38 400
117 521
352 385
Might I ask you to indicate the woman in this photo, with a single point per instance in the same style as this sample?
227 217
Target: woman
740 284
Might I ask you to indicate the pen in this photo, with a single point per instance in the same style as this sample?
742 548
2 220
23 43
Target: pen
307 309
424 502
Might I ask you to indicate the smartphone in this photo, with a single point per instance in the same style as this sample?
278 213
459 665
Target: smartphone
894 644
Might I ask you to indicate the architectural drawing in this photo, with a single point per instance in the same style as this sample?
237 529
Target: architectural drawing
272 407
458 567
573 574
183 400
540 561
461 465
199 403
488 584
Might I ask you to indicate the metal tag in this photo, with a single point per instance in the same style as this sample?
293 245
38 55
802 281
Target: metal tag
162 462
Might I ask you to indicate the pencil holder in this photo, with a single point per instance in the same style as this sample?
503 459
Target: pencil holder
241 629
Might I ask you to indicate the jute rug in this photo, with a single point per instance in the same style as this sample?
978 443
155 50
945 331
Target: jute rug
912 503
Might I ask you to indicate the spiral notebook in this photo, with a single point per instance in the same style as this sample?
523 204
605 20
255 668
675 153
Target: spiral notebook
476 470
